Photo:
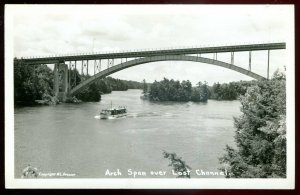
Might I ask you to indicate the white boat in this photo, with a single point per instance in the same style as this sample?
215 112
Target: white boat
112 113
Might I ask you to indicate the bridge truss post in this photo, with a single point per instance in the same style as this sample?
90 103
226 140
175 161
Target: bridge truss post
268 64
250 60
87 68
69 75
75 73
215 56
95 63
82 67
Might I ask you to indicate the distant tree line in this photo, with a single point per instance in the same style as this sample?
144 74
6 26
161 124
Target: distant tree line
104 86
171 90
33 83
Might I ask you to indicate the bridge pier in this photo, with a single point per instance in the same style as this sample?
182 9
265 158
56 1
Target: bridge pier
61 76
56 80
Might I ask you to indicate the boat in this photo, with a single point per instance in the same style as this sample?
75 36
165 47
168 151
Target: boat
112 112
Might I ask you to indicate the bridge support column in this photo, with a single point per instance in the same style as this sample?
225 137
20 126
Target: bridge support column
82 67
56 80
87 68
69 75
95 62
249 60
268 64
61 77
232 57
65 82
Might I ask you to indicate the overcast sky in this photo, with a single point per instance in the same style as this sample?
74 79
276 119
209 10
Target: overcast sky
49 30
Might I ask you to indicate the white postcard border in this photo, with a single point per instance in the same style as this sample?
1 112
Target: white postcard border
11 182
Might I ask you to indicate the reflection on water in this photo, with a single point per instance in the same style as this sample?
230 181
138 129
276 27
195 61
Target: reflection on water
72 138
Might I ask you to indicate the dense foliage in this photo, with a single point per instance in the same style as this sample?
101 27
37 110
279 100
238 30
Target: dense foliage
133 84
260 132
200 93
36 83
90 94
105 85
170 90
229 91
116 84
32 83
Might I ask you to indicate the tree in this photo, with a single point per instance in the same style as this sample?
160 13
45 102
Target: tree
170 90
203 91
216 91
179 166
75 76
145 86
229 91
32 82
260 133
195 97
90 94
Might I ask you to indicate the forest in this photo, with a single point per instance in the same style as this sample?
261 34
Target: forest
32 83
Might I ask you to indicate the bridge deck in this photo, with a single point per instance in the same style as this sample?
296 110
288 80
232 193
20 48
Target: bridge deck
150 53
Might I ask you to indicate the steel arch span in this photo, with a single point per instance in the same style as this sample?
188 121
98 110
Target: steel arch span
144 60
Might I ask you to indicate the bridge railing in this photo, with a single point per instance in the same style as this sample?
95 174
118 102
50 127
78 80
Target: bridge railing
150 50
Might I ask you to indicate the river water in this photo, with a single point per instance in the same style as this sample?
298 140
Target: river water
72 140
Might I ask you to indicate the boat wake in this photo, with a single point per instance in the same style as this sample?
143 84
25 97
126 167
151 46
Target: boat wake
148 115
141 115
109 117
97 117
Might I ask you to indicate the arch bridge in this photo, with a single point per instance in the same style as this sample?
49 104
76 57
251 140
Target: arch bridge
127 59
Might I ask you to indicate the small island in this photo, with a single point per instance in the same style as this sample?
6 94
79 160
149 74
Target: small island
171 90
